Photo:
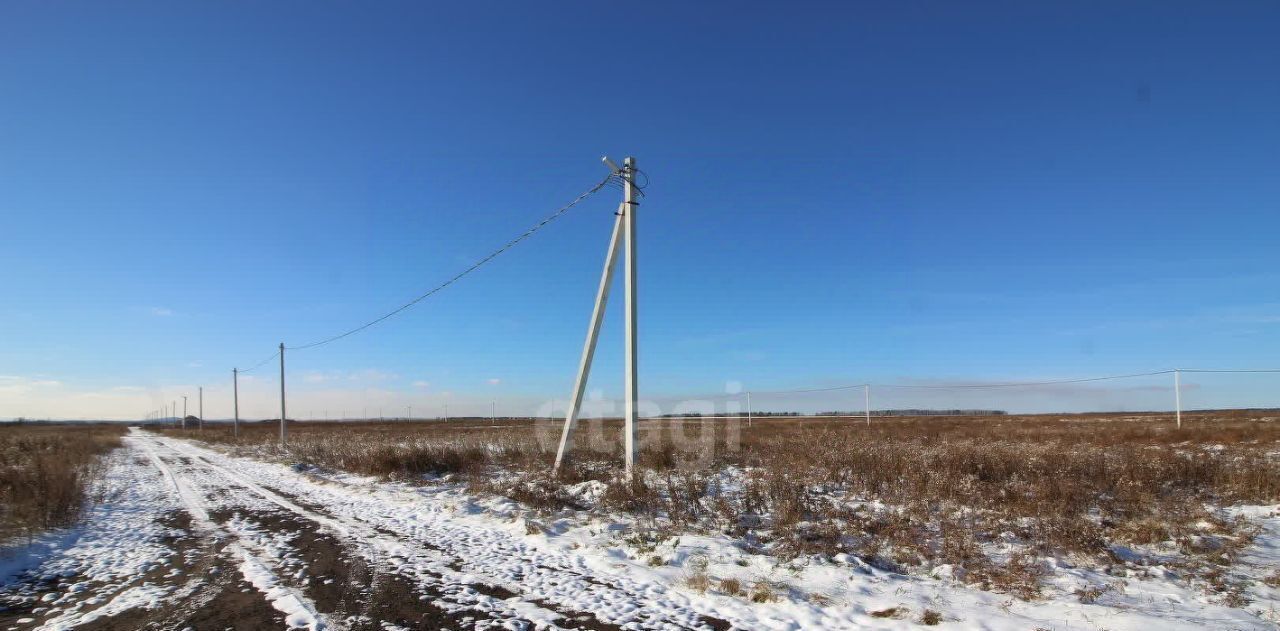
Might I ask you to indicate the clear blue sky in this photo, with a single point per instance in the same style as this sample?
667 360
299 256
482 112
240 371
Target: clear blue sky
841 192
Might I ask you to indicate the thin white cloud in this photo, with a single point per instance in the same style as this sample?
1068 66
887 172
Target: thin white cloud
12 385
364 377
422 385
162 312
495 381
373 375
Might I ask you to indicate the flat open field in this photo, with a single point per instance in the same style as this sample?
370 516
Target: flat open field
1117 521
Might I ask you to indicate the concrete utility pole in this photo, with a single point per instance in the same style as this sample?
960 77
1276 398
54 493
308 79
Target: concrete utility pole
624 231
866 400
493 412
632 204
235 397
749 415
184 411
1177 395
175 412
201 407
284 432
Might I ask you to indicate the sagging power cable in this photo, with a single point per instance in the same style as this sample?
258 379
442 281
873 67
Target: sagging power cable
510 244
259 364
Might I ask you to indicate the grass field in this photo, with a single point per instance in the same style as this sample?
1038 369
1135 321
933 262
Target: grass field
987 500
47 473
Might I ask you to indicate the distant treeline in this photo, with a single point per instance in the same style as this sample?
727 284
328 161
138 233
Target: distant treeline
917 412
903 412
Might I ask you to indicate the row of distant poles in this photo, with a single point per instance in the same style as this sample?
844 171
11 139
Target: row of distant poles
171 410
235 397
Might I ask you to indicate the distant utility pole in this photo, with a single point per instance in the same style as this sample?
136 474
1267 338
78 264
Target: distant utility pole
184 411
446 412
175 411
624 232
1177 395
201 407
866 400
284 432
235 397
493 412
749 409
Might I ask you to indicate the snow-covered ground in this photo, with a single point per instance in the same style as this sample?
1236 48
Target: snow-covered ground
475 562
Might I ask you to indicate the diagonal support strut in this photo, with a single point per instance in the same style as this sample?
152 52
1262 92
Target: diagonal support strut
593 334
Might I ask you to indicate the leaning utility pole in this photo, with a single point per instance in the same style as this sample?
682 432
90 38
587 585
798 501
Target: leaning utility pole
235 398
283 431
624 230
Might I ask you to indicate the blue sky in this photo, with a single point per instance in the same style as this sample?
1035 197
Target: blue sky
840 192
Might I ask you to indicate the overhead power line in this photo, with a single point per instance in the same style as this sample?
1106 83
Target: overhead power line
608 180
259 364
1230 370
510 244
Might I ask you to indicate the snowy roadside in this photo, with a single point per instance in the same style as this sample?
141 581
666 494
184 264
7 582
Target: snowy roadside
147 546
119 541
185 525
500 540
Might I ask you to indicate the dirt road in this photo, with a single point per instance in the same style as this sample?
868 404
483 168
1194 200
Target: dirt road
200 540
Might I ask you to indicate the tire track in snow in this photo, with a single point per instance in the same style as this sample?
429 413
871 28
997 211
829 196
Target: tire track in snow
565 586
256 568
454 599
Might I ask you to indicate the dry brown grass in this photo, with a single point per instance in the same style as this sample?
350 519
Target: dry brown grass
905 494
46 473
731 586
930 617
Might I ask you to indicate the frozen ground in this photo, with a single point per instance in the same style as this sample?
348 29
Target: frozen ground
192 538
